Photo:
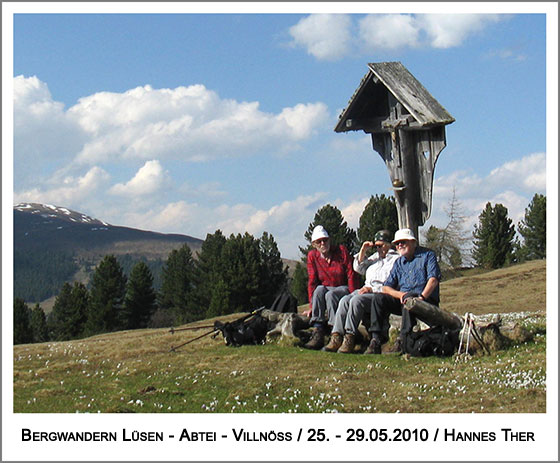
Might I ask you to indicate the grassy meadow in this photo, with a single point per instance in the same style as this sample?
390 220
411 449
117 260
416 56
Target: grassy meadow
135 371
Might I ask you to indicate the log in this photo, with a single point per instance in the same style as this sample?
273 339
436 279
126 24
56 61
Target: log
432 314
285 325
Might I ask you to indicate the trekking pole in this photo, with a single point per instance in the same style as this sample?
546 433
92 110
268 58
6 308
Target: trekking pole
215 330
174 348
191 328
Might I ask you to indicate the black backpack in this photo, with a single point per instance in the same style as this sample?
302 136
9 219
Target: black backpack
248 331
285 302
439 341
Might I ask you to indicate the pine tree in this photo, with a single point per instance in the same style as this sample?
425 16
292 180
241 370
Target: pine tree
380 213
493 237
39 324
70 312
219 299
299 284
208 270
241 275
533 229
177 288
140 298
22 325
107 297
331 218
273 273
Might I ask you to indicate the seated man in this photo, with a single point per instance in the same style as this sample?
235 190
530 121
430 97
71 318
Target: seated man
376 269
331 277
416 273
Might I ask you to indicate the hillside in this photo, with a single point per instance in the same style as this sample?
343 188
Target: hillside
54 244
135 371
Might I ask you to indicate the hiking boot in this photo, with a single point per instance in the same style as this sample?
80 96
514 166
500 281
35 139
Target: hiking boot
317 339
374 347
348 344
334 343
396 348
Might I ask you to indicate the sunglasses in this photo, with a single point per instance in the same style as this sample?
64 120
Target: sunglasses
399 244
321 240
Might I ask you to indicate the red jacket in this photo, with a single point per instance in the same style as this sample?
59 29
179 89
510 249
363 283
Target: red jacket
338 273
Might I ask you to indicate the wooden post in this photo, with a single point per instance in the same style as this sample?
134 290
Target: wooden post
432 314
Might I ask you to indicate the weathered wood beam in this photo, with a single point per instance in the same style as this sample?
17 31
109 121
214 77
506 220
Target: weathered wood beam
432 314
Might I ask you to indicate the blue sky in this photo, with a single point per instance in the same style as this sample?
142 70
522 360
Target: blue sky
188 123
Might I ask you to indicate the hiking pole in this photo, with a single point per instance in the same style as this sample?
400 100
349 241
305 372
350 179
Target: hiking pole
216 329
173 349
191 328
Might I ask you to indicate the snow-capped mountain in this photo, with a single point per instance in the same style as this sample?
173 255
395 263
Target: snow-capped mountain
45 213
54 244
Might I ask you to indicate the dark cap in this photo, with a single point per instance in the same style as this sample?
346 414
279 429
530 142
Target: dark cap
383 235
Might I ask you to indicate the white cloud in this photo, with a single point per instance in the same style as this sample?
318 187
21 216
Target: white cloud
286 221
512 184
325 36
45 137
70 192
330 37
389 32
187 123
148 180
528 173
451 30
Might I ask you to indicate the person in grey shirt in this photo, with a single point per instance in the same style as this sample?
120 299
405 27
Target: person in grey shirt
376 269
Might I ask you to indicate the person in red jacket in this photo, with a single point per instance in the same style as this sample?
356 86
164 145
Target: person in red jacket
331 277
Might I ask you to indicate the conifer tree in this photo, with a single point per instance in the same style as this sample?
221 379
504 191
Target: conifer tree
107 297
39 324
241 275
493 237
380 213
177 289
339 232
22 325
299 284
208 270
219 299
140 298
533 229
70 312
273 273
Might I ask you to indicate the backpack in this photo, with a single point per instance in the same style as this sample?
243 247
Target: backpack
248 331
285 302
438 340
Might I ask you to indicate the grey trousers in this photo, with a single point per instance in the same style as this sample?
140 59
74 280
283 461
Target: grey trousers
325 302
352 309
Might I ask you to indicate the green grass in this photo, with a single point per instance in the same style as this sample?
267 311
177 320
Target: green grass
135 372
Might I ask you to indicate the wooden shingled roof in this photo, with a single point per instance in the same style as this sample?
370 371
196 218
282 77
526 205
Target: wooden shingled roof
370 101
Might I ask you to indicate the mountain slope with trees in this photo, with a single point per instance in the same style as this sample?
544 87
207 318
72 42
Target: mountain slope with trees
54 245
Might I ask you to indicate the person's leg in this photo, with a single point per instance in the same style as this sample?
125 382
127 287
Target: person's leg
337 334
318 305
382 305
341 313
332 299
318 318
358 312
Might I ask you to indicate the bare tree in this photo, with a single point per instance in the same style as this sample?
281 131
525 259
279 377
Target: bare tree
450 242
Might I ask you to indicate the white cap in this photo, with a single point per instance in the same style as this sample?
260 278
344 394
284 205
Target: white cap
318 233
404 234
